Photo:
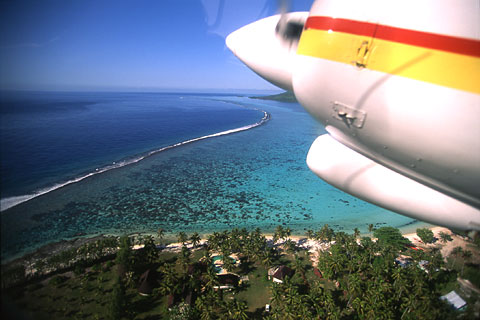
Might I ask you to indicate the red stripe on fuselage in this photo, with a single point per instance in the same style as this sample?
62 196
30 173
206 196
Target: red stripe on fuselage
435 41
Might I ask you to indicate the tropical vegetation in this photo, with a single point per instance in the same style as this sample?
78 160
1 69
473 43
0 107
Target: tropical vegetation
354 278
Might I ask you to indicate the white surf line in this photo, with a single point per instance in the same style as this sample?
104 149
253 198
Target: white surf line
10 202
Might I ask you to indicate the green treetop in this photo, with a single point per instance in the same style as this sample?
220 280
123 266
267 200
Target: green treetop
426 235
390 237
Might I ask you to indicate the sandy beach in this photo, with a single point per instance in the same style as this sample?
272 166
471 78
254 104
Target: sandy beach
314 247
445 248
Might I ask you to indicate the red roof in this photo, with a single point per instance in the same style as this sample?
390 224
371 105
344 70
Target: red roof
317 272
282 272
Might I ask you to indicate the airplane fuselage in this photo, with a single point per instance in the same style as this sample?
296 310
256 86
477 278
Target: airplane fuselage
397 86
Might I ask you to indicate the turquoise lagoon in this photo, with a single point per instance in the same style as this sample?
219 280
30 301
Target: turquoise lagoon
255 178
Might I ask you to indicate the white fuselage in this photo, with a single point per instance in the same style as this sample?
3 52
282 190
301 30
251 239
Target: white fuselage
400 102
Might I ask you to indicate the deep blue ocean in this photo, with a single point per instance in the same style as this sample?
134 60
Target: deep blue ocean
115 163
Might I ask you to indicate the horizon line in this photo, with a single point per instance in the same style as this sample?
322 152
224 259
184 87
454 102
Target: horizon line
146 90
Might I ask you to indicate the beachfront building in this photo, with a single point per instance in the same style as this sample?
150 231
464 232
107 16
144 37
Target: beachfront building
147 282
278 274
227 281
455 300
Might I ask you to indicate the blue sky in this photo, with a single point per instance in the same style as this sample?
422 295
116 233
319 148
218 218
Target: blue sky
126 45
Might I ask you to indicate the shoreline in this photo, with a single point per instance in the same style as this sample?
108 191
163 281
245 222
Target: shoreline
447 247
170 244
169 237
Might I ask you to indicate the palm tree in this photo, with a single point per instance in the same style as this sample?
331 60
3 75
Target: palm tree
354 286
212 240
195 238
204 305
325 233
289 312
237 238
360 307
267 258
243 235
211 278
160 234
445 237
419 285
466 255
207 255
124 256
309 234
356 232
257 245
398 283
336 266
290 291
279 233
277 294
182 237
290 246
370 227
169 283
300 268
287 232
456 252
225 239
331 309
228 263
185 258
149 251
315 300
236 310
410 302
426 235
118 302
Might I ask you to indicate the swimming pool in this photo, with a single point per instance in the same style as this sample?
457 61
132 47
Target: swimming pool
219 257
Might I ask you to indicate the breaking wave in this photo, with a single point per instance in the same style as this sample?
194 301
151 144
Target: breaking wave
10 202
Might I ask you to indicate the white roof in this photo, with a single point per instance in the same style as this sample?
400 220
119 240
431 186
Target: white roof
454 299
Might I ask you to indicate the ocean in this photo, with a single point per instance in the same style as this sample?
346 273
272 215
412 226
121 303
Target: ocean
84 164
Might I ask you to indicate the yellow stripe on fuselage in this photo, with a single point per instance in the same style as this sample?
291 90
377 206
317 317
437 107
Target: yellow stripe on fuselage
434 66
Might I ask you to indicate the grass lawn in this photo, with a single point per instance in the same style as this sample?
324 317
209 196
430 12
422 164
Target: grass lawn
147 307
68 296
88 295
256 291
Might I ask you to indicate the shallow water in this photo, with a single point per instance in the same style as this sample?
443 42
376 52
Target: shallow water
254 178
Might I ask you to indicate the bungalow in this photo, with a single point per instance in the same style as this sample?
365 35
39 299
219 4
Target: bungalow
278 274
227 281
454 299
147 282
